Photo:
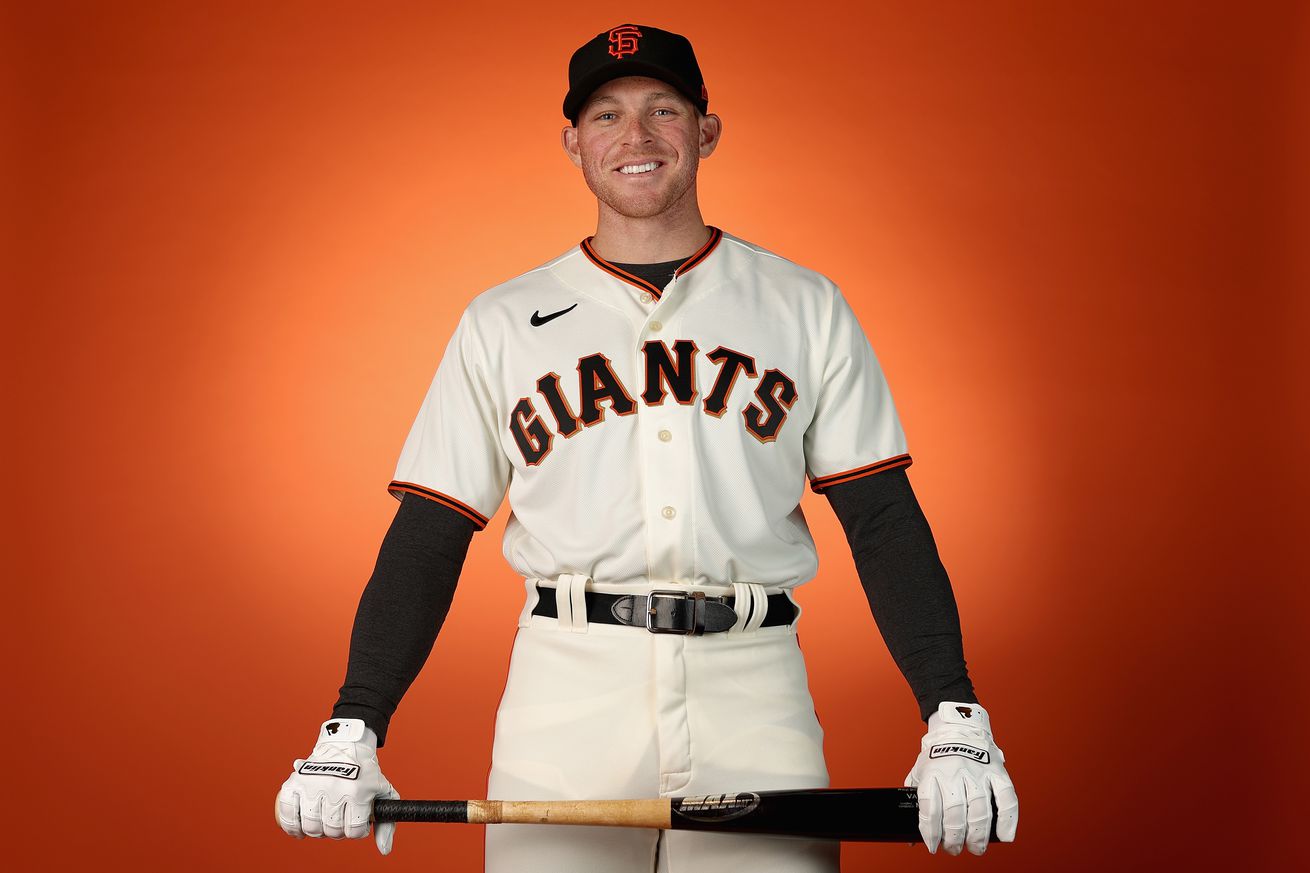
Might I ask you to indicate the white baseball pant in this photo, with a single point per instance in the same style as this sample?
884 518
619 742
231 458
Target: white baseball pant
594 711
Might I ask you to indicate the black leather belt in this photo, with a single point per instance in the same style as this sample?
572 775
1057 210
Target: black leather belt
669 611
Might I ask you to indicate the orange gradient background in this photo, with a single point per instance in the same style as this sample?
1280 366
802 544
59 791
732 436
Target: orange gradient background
241 233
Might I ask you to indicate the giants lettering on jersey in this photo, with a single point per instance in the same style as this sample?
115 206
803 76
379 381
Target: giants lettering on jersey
667 373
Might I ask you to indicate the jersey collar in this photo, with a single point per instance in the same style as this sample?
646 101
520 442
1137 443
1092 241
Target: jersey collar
637 281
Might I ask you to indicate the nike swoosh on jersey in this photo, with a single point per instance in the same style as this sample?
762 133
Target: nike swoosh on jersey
538 319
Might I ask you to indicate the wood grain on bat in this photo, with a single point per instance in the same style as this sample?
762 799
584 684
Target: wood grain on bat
650 813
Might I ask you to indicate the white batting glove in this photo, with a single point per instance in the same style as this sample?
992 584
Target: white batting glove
330 793
959 770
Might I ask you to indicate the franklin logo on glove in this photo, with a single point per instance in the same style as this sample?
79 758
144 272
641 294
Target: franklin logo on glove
318 768
979 755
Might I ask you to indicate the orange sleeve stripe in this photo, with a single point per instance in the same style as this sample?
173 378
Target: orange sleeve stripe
396 488
817 485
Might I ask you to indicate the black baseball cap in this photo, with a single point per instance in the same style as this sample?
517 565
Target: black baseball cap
634 50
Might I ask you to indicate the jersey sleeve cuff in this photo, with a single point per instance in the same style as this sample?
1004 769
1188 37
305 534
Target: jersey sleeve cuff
398 489
817 485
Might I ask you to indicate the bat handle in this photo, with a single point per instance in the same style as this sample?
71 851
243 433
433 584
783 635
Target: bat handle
451 811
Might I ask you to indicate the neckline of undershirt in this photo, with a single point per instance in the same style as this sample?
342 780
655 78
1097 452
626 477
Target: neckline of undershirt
659 275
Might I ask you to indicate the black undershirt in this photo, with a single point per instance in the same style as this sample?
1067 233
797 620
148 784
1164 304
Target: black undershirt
658 275
407 598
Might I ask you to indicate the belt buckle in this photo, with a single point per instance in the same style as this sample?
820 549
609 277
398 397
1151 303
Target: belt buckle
679 595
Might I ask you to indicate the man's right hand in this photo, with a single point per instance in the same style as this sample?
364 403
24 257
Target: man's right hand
331 793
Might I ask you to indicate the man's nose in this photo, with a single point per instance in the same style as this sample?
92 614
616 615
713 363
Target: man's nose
637 130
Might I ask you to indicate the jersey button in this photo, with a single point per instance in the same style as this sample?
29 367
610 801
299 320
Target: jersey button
657 325
665 436
647 297
668 512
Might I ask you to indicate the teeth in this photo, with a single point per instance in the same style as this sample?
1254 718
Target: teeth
639 168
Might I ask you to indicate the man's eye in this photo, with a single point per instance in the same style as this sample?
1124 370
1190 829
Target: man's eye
670 111
604 115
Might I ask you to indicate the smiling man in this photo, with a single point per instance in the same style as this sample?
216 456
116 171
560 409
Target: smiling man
644 179
653 401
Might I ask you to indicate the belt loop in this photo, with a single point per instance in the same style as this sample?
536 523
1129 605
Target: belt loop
759 607
563 602
578 596
525 617
741 604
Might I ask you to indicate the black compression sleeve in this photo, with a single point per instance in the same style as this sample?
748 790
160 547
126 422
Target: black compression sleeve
402 608
906 584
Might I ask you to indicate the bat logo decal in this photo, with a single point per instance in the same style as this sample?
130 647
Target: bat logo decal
716 807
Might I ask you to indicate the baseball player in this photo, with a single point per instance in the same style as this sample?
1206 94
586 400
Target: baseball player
653 401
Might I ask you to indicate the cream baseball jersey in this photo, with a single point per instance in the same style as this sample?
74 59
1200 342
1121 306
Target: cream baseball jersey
649 436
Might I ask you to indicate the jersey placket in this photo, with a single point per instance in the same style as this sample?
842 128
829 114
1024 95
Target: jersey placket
666 471
664 436
664 432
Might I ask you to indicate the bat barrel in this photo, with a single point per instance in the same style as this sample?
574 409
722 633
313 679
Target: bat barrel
878 815
854 814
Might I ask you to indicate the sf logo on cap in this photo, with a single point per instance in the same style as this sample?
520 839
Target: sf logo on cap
623 40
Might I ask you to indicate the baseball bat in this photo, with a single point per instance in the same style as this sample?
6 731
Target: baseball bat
886 815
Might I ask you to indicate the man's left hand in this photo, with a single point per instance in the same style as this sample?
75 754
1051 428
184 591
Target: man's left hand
959 770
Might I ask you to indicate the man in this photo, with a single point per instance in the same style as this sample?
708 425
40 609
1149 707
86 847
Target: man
656 518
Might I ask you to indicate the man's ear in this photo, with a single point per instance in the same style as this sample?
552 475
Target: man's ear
711 129
569 139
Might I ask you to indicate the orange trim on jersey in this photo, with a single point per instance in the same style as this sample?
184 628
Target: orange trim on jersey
396 487
710 245
701 254
817 485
